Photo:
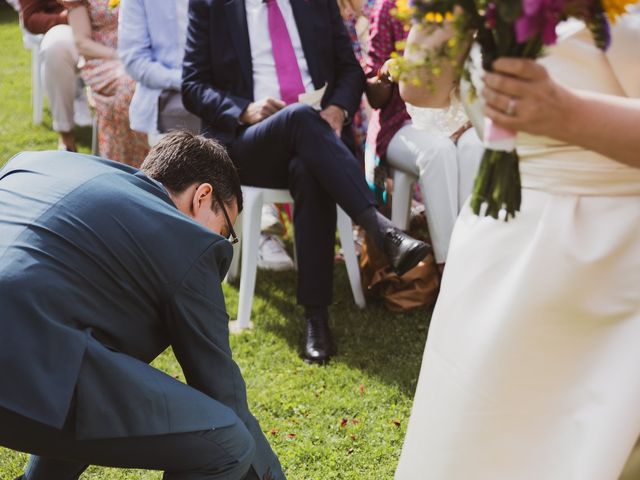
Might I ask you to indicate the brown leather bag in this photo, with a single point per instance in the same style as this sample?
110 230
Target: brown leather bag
416 289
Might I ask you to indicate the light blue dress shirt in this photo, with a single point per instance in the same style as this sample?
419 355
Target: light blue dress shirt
147 33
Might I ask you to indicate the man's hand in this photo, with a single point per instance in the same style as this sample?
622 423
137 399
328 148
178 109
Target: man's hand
258 111
335 117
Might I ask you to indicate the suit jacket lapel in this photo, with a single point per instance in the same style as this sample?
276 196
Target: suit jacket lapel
303 14
237 15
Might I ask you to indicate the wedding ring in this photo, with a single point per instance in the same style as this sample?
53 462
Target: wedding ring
511 107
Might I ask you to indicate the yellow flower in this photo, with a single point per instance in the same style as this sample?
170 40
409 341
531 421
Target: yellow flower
615 8
437 17
114 3
403 8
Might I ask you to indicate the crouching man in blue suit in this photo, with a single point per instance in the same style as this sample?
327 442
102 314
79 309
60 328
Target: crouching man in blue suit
102 267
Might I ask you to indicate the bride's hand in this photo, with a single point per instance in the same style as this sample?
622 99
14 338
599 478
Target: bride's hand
520 95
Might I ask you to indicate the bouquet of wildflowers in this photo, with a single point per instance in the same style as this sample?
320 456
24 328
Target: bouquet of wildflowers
509 28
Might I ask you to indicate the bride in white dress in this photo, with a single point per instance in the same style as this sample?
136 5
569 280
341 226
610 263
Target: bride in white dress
531 365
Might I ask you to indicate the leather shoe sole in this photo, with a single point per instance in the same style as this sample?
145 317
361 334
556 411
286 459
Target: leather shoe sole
319 358
411 258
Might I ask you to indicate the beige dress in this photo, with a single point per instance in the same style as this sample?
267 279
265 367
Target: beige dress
532 365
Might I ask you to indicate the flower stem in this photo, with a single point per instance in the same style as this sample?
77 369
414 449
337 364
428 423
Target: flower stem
497 185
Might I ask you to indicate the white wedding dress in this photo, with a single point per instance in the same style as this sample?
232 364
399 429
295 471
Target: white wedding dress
532 364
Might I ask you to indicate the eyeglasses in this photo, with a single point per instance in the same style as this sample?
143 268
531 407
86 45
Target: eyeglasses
233 238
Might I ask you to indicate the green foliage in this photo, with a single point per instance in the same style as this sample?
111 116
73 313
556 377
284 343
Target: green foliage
509 11
344 421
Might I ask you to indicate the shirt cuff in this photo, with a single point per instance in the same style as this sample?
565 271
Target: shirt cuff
176 79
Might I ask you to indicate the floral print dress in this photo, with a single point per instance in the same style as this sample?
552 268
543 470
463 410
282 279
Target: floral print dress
361 117
111 88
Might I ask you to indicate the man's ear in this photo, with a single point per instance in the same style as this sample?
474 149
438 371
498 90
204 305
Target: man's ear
202 197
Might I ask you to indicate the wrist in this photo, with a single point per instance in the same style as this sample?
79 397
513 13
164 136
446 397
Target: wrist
567 125
344 111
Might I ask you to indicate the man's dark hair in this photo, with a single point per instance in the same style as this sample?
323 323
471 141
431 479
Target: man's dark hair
181 159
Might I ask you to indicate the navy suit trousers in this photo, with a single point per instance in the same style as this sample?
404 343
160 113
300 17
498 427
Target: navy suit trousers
224 453
296 149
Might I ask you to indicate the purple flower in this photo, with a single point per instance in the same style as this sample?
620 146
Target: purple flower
539 17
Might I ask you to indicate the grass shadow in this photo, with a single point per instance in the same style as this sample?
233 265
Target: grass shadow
383 344
83 139
7 14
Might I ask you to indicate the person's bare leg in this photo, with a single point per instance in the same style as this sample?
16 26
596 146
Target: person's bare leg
67 141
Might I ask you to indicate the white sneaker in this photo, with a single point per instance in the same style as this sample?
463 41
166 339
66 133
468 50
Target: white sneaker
270 222
272 254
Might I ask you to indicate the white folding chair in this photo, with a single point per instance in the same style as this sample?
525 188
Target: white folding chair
32 42
402 193
249 231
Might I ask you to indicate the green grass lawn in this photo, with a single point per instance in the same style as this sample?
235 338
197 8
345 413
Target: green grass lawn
343 421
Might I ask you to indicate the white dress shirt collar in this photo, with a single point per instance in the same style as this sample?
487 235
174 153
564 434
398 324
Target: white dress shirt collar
265 80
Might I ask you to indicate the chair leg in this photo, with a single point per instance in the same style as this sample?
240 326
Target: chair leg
36 86
292 235
401 203
248 269
345 227
234 268
94 136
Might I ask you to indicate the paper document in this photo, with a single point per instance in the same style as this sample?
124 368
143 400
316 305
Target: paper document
313 98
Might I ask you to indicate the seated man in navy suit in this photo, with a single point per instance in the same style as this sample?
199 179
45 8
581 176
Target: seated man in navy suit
246 64
103 267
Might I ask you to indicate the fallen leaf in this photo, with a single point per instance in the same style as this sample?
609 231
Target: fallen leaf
355 421
350 451
361 389
274 431
344 422
396 422
353 437
291 435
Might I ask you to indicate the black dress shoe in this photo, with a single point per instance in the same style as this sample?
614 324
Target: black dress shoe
403 251
319 345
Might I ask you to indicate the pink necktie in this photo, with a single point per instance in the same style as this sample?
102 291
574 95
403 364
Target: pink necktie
287 70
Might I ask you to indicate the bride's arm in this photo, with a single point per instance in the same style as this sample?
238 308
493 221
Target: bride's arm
605 124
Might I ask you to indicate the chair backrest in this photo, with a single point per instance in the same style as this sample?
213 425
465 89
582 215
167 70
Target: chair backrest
31 41
14 4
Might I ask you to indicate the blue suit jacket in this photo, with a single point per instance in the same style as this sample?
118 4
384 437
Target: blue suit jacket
100 273
217 74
